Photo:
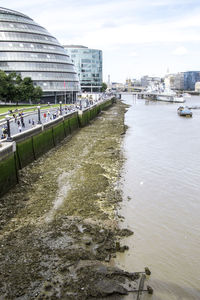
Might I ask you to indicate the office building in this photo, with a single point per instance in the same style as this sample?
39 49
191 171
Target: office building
88 64
190 78
174 81
29 49
148 80
179 81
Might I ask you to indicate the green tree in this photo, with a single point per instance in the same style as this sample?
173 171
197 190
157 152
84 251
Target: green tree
13 88
37 94
3 85
104 87
26 89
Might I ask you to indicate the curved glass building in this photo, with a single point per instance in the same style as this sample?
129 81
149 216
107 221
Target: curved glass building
29 49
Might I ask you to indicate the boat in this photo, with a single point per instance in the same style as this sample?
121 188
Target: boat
170 96
184 111
161 93
179 99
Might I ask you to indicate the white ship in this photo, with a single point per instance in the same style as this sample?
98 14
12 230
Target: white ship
164 94
169 96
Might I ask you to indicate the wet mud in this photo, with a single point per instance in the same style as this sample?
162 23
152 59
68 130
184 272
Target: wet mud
59 226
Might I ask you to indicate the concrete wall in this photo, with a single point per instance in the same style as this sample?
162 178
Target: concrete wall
29 145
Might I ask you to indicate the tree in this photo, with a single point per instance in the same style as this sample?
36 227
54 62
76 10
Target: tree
104 87
37 94
3 85
26 89
13 88
28 92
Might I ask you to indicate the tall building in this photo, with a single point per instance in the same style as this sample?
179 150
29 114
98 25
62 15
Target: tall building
179 81
29 49
175 81
88 63
197 87
147 80
190 78
169 81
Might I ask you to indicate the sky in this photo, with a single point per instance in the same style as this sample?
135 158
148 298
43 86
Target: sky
137 37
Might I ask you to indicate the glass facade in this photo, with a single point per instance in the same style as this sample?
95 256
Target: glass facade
190 78
88 64
29 49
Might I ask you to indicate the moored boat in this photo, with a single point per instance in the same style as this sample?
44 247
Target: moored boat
168 95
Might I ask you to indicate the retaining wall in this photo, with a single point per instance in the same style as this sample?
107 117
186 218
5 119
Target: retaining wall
31 144
8 167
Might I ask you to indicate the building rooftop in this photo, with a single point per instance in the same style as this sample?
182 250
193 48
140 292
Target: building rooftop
12 12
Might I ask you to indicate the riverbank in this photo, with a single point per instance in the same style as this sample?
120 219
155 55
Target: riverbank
59 226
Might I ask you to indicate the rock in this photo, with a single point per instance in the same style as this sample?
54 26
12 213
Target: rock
88 243
123 248
108 257
125 232
107 287
147 271
149 290
118 246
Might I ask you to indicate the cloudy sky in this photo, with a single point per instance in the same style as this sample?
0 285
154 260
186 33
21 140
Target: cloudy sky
138 37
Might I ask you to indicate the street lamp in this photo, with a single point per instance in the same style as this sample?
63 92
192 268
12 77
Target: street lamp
39 118
60 107
9 139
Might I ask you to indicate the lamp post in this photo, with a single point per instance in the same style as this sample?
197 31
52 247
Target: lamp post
9 139
60 107
39 117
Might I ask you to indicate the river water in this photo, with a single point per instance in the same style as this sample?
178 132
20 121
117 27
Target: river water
161 191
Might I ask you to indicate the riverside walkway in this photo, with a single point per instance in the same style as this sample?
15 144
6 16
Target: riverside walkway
26 121
29 120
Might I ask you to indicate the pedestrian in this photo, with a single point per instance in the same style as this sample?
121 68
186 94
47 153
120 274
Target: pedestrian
5 130
33 123
22 120
29 121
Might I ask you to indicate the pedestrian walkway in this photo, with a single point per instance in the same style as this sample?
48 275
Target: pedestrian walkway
21 121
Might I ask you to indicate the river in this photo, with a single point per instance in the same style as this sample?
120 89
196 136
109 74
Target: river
160 182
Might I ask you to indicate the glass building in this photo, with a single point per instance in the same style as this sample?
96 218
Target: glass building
190 78
29 49
88 64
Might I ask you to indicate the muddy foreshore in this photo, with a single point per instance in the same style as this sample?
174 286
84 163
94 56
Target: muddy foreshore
59 226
